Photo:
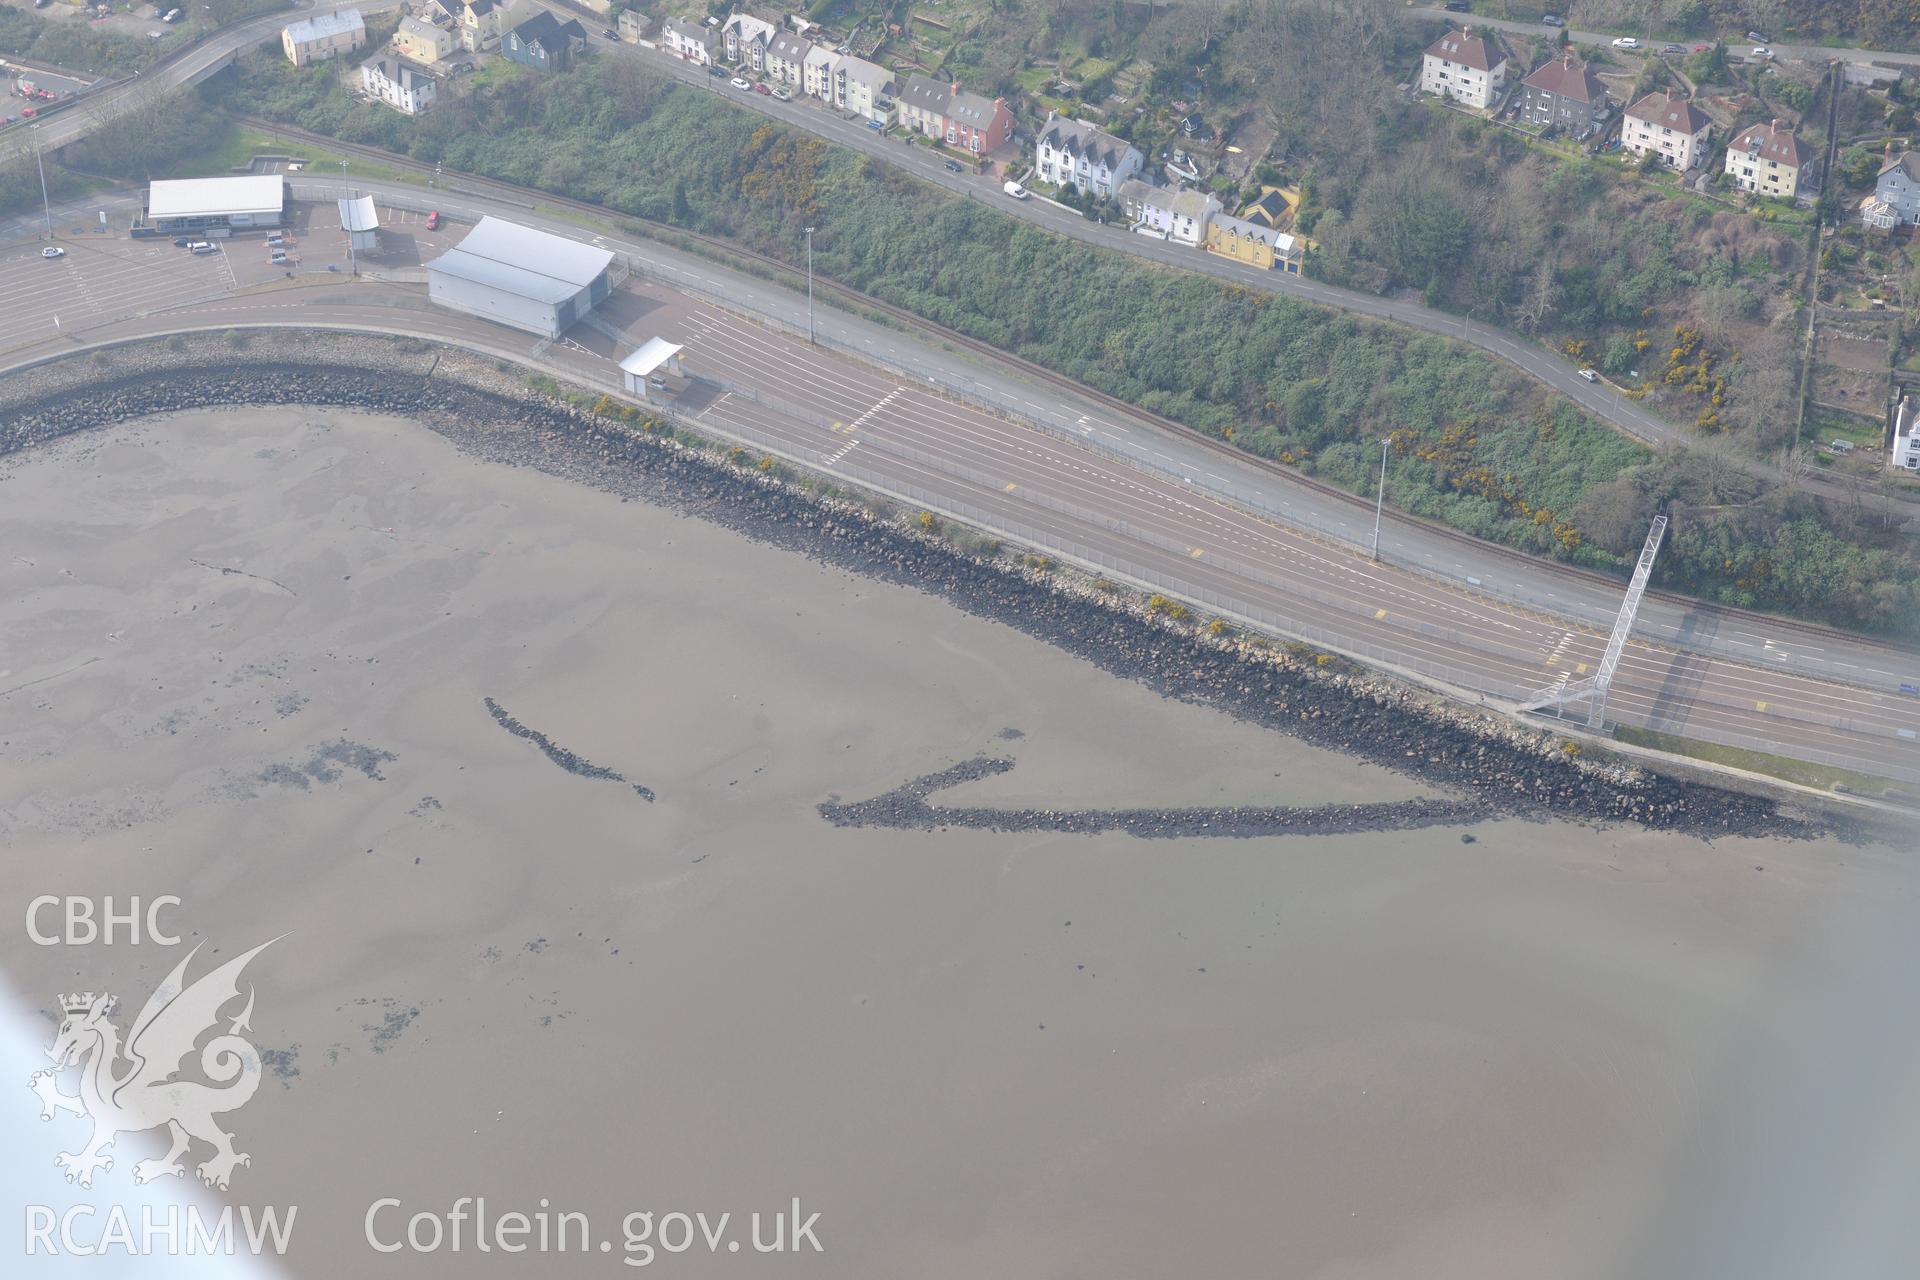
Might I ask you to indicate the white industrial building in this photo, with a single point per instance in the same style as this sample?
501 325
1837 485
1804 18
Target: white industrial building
217 205
361 223
516 276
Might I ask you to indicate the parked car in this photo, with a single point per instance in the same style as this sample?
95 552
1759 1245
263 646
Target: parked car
1625 42
1758 37
1911 690
740 82
657 381
278 258
1456 6
201 248
1552 20
1590 375
1702 48
433 220
1671 48
878 126
610 33
761 88
28 113
715 71
1015 190
953 166
781 95
53 251
181 242
1762 53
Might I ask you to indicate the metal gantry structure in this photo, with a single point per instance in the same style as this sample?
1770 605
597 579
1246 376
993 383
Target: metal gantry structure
1594 688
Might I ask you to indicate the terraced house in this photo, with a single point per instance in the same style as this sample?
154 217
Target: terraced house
923 105
684 38
1072 153
787 59
1563 94
746 39
1669 126
1769 160
1470 69
975 123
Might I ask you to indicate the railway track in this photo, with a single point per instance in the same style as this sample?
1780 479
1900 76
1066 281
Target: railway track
734 254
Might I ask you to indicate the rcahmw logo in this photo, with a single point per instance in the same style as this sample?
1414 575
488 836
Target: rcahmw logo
136 1086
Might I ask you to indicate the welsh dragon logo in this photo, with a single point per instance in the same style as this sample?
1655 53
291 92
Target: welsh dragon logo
148 1093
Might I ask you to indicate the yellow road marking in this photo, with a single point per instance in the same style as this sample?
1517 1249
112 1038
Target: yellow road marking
1379 613
1580 669
1010 488
1759 706
1195 552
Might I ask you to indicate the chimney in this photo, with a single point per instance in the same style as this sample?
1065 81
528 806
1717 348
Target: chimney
1776 124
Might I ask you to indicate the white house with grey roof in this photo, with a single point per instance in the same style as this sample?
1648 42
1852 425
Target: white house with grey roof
746 39
684 38
1179 214
1895 201
1072 153
864 88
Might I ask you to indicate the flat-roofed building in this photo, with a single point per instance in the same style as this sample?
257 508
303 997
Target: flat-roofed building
217 205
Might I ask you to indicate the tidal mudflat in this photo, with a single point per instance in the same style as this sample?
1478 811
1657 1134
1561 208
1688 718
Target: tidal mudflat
271 662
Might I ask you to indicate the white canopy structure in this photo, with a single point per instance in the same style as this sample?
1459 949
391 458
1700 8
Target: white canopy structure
361 223
652 354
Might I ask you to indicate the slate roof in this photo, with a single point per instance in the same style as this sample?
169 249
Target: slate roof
1076 137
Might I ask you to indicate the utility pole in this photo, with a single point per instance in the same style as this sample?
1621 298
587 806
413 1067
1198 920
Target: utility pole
1380 498
810 286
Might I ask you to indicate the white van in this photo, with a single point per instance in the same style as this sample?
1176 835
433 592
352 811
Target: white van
1015 190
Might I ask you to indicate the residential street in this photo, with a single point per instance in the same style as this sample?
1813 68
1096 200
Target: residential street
1816 53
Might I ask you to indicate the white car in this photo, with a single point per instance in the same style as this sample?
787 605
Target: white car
1626 42
781 95
1015 190
1763 53
739 83
53 251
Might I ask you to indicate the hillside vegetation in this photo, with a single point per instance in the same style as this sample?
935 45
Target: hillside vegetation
1478 445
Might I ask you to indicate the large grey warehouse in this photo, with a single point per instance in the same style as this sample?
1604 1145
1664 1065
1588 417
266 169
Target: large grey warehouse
515 275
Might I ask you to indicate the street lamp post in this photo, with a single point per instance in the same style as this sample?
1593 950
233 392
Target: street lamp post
46 205
1380 498
809 286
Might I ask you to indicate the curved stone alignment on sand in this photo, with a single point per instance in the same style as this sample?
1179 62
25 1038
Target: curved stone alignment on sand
575 764
485 409
906 807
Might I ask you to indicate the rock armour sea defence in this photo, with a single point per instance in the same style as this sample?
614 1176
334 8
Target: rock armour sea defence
1490 765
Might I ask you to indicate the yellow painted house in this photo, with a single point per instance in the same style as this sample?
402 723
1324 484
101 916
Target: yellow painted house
1255 244
1769 160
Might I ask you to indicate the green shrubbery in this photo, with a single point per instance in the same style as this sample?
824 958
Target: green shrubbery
1478 445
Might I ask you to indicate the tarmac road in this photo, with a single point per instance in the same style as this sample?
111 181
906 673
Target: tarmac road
1649 44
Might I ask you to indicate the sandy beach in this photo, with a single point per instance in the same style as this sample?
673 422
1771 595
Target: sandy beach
246 658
